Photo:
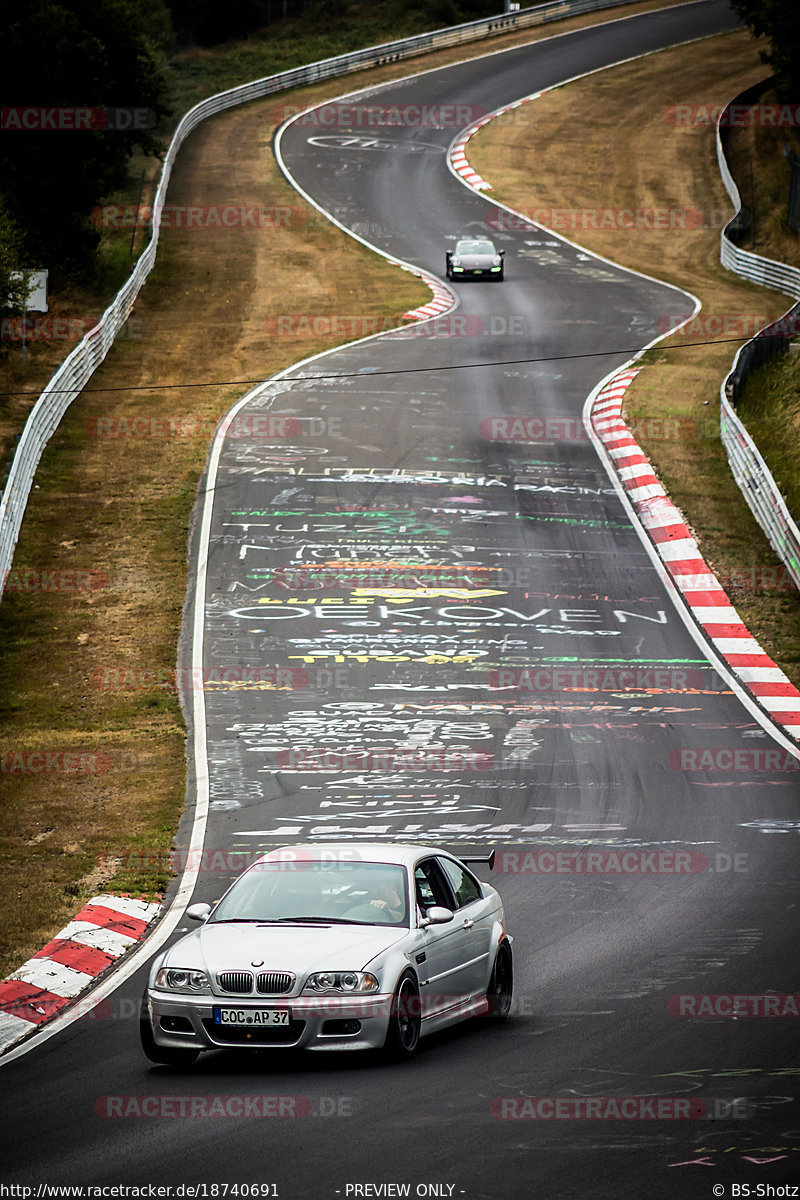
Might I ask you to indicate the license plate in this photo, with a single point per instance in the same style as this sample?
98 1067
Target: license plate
261 1017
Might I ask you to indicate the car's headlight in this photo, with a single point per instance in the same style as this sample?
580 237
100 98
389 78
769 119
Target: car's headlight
181 979
456 262
497 261
341 981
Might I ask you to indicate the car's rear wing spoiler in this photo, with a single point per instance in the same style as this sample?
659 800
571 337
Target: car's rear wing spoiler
480 858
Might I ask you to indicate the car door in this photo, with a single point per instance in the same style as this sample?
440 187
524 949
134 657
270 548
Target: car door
473 915
447 948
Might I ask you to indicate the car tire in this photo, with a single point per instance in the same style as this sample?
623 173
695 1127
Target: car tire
501 984
164 1056
405 1019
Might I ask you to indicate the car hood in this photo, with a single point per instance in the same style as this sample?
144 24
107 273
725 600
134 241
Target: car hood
296 948
476 260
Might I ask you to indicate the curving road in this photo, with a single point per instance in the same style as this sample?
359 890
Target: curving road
390 569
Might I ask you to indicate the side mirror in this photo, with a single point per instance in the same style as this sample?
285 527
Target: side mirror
437 915
198 912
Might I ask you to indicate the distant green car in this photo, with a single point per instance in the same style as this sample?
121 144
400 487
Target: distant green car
474 258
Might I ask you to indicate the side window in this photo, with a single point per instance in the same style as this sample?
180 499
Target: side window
431 887
465 886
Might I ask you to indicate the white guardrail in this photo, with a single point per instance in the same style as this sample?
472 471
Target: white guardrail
751 473
77 369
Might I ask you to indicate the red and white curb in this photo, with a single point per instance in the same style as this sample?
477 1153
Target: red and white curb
101 933
678 551
457 154
458 161
442 301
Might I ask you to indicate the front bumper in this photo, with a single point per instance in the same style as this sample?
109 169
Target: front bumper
476 272
316 1022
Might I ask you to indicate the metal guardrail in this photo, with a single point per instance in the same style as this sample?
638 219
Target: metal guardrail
77 369
751 473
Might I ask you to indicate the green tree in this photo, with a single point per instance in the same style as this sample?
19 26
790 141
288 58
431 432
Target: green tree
207 22
61 55
14 286
778 22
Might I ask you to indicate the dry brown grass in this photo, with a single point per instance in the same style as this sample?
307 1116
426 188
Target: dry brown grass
633 156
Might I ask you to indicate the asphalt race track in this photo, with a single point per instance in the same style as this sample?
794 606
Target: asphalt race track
391 571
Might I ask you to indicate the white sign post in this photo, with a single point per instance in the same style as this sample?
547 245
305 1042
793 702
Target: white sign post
36 301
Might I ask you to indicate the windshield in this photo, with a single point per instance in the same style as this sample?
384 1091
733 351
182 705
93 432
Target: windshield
475 247
349 892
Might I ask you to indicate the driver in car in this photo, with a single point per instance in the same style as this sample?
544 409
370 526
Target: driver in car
389 901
